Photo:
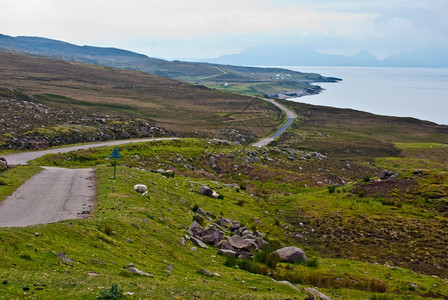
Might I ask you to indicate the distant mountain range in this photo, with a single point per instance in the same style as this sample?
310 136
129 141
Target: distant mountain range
296 55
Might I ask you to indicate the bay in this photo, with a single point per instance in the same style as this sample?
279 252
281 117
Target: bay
420 93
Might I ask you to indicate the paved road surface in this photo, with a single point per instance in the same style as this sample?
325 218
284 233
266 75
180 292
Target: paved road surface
291 116
24 157
54 194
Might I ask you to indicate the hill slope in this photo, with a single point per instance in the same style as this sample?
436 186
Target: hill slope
248 80
114 93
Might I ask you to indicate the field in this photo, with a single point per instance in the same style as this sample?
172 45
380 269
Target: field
380 244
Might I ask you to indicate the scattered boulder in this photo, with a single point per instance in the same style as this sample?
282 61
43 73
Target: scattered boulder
235 225
198 242
139 272
140 188
212 235
205 272
244 255
392 177
418 172
224 245
198 218
223 222
227 252
195 229
201 211
64 257
386 174
260 243
290 254
244 244
317 294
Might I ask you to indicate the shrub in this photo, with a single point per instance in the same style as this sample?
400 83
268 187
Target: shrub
313 263
25 255
240 202
380 297
272 260
277 222
113 293
108 230
195 207
366 178
361 194
331 189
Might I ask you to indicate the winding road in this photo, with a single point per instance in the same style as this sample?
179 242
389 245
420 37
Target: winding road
289 114
57 194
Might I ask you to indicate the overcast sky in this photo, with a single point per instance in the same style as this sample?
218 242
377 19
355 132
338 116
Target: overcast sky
210 28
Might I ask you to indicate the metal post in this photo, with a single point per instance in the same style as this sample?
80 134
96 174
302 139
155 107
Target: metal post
115 166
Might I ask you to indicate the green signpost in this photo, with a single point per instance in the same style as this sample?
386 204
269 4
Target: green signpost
115 154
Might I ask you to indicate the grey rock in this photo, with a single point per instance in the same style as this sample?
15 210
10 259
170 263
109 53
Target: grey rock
224 245
317 294
201 211
198 218
244 244
244 255
260 234
245 232
195 229
227 252
212 236
198 242
235 225
291 254
205 272
139 272
260 243
392 177
250 236
64 257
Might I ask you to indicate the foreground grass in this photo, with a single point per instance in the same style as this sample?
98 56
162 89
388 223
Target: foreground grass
154 226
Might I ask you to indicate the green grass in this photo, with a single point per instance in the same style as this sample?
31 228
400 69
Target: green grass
347 265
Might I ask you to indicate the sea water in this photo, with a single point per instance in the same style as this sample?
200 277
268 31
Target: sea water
405 92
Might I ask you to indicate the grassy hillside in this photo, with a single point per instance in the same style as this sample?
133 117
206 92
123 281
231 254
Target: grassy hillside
383 243
249 80
88 95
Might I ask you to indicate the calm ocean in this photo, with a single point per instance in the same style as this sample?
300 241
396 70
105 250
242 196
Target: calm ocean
406 92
